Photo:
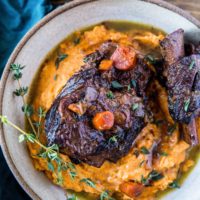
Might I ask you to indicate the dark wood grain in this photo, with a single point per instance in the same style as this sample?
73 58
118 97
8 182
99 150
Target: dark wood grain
192 6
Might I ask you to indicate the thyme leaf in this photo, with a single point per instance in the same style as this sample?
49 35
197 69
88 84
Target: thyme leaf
59 179
186 105
135 106
16 69
149 58
174 184
86 59
110 95
133 83
153 176
73 197
28 137
105 196
144 150
21 138
71 166
21 91
4 119
141 163
163 153
192 64
27 109
50 166
41 112
72 175
88 182
129 87
59 59
113 139
116 85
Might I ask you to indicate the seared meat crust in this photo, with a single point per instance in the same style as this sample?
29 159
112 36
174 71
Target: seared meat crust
90 88
182 74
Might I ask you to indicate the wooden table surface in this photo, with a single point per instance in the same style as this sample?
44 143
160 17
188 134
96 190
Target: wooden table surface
192 6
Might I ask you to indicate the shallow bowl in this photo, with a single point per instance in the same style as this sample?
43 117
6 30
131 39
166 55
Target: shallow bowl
46 35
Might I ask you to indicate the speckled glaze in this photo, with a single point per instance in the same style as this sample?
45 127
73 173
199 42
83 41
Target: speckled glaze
47 34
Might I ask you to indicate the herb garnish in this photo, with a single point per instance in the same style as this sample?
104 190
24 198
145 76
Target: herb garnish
88 182
153 176
73 197
144 150
129 87
192 64
110 95
141 163
86 59
16 69
55 162
105 196
149 58
133 83
163 153
27 109
135 106
113 139
116 85
174 184
21 91
50 166
186 105
59 59
72 175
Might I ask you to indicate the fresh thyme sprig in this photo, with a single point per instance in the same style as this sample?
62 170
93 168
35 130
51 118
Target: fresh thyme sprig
17 75
51 153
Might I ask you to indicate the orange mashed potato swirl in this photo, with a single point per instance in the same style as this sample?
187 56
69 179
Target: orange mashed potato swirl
134 166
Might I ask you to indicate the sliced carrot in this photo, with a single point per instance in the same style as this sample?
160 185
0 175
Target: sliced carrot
132 189
103 120
124 58
105 65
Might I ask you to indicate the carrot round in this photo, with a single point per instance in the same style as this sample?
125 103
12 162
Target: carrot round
132 189
103 120
124 58
105 65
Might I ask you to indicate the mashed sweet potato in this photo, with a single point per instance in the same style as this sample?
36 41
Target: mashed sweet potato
135 165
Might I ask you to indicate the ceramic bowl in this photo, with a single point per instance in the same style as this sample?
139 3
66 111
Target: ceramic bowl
46 35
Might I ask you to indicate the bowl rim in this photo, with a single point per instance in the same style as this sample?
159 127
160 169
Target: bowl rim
23 41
